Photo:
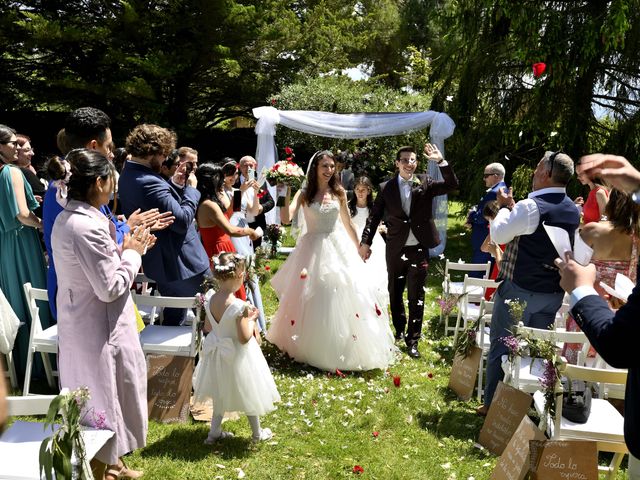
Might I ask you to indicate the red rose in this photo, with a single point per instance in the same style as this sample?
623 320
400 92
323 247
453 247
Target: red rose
267 268
538 69
396 380
288 150
375 434
357 469
261 194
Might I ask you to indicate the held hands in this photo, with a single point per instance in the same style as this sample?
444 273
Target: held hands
505 198
615 170
140 240
432 153
365 252
574 275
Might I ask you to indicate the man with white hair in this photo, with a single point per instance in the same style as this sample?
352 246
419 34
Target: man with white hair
247 164
493 177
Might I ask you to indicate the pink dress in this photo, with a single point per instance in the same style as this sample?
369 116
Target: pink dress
606 271
99 346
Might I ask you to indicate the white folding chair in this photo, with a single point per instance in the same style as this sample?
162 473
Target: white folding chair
483 340
605 424
10 372
525 372
20 444
43 341
164 339
454 287
473 291
149 315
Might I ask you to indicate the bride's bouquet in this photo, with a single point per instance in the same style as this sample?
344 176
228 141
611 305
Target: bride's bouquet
286 172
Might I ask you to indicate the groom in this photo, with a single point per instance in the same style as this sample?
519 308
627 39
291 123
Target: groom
405 203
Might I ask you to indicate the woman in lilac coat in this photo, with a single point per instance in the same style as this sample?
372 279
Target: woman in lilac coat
98 340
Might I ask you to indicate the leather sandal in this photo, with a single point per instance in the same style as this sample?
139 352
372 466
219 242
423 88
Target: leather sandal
116 472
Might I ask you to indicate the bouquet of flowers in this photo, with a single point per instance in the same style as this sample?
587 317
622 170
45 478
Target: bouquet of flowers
273 235
286 171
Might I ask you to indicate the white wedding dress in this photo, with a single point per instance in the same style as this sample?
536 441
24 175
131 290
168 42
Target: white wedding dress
332 317
376 265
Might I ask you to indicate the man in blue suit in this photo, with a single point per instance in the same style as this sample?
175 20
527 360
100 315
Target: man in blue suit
178 262
614 335
493 177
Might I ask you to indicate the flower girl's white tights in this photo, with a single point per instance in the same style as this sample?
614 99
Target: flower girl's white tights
216 426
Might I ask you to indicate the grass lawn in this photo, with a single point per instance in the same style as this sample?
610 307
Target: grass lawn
326 425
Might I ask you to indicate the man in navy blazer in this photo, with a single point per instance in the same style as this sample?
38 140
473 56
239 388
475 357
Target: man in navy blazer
614 335
178 262
493 178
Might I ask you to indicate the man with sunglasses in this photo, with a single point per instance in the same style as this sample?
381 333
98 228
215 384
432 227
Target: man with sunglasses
493 177
527 270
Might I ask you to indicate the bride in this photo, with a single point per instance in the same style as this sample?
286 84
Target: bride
330 314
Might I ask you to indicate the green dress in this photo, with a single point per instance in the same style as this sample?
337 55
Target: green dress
22 261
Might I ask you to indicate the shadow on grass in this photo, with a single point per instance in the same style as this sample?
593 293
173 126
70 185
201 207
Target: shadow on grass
456 423
179 444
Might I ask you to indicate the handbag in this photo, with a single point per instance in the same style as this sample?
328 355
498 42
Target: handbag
576 400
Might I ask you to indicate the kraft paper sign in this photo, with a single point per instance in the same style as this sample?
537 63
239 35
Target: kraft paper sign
169 387
464 372
563 459
514 462
505 414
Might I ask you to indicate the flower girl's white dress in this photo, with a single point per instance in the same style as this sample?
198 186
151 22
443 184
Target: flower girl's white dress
332 317
235 375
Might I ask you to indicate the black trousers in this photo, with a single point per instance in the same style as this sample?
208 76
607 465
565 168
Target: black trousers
409 269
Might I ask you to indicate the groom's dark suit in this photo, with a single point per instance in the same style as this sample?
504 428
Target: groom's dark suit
408 264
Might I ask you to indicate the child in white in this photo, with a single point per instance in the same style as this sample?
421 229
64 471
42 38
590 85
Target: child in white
233 372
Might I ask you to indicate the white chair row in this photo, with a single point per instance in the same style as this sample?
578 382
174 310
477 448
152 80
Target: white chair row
451 286
155 339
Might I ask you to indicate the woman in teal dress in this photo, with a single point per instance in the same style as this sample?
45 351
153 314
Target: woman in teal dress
21 258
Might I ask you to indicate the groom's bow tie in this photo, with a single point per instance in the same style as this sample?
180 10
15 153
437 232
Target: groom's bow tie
406 182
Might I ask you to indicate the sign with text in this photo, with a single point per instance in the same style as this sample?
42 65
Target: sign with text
464 373
514 462
505 414
169 387
563 459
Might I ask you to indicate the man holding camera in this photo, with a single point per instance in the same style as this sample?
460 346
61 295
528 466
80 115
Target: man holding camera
247 167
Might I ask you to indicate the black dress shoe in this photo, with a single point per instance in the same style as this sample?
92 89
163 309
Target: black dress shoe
413 351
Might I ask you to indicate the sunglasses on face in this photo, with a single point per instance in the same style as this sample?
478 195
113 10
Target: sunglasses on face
487 175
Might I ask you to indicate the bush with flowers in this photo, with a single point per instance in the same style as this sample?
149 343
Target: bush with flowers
286 172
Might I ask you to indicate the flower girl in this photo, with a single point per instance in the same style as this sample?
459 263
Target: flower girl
233 371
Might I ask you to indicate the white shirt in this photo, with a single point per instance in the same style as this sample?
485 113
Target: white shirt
405 191
522 220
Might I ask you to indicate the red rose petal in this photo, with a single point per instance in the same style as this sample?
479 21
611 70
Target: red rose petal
357 469
267 268
375 434
378 311
357 316
340 374
396 380
430 375
538 69
293 322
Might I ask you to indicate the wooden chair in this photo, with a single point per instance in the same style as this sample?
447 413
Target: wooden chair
43 341
168 340
453 287
473 291
605 424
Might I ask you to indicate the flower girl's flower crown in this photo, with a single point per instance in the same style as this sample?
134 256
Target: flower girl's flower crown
226 264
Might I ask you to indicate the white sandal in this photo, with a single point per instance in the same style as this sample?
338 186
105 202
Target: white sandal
265 434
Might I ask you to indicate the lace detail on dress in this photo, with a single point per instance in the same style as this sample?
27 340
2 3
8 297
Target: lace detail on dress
321 217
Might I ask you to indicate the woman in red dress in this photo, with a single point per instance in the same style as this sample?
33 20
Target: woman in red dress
593 208
213 215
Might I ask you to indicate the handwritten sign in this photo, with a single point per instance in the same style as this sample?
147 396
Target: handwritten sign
464 372
514 462
169 387
563 460
505 414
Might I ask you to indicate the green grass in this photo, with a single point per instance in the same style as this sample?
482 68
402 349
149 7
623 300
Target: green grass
325 424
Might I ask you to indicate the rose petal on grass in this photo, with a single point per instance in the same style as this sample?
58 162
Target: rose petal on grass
357 469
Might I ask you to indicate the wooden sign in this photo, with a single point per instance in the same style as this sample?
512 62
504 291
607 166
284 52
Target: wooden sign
169 387
514 462
563 459
464 373
505 414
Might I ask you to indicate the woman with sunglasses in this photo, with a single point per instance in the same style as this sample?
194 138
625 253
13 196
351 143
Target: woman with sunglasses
21 254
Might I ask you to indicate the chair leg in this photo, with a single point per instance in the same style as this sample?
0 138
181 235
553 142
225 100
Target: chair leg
455 332
27 372
47 368
11 369
615 464
480 373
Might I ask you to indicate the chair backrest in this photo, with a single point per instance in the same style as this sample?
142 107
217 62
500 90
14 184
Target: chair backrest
31 405
596 375
484 283
466 267
144 282
486 310
32 295
552 335
172 302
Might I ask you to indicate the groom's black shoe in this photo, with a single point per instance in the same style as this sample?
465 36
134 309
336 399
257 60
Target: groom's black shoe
413 351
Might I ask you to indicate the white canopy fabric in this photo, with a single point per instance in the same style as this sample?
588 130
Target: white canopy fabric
355 125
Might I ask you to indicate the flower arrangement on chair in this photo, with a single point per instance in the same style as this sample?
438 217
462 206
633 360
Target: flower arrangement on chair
64 452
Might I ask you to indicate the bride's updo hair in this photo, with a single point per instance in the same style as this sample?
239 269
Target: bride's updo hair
311 189
227 265
86 167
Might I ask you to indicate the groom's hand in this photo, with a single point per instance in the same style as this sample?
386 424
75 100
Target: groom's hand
365 252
